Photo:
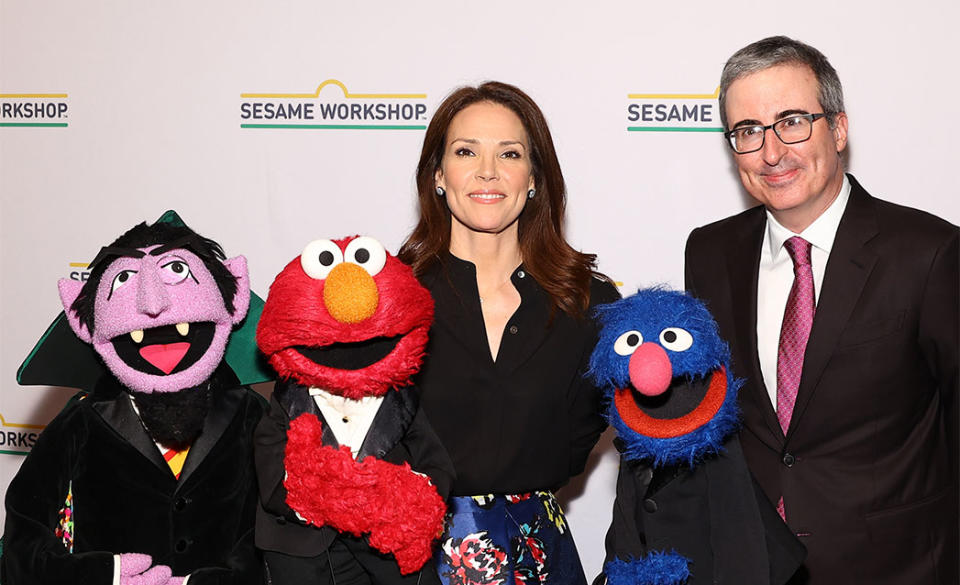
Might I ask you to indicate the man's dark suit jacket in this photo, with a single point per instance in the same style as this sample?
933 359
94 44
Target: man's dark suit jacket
868 467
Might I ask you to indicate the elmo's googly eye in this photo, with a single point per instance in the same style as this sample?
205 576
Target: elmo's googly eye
319 258
676 339
368 253
627 343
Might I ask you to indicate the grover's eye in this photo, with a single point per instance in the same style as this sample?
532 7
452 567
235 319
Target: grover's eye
319 258
368 253
120 279
627 343
676 339
175 271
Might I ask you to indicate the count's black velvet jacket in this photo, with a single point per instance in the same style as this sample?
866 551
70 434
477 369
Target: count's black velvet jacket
126 499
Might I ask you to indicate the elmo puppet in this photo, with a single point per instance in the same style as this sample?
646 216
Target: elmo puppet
352 477
686 511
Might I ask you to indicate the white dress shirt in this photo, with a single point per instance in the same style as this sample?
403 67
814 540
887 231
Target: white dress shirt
348 419
776 278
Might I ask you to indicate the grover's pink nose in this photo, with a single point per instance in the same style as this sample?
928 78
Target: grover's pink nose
650 369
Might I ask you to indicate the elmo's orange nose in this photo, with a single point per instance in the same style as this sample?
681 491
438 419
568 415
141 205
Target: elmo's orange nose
350 293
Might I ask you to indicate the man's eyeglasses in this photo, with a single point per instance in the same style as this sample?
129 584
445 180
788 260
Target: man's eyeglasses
790 130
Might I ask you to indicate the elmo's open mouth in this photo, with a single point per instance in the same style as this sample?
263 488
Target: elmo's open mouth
351 356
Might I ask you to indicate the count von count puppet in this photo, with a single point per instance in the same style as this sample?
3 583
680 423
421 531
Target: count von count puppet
352 477
687 510
148 478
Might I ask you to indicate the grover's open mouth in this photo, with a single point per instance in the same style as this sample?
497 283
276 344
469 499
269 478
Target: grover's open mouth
166 350
351 356
683 408
682 397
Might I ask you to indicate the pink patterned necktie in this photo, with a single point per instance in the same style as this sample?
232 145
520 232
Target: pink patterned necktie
797 320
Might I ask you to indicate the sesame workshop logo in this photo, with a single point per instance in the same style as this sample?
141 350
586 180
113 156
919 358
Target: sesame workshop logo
673 112
333 108
33 110
17 438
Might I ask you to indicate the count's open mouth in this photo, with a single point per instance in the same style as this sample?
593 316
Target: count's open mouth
351 356
166 350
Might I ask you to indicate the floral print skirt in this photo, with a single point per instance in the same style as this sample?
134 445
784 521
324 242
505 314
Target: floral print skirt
508 540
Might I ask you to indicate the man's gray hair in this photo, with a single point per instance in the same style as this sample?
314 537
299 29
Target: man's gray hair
781 50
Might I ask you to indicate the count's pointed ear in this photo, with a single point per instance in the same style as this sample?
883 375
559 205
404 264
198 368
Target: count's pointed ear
241 301
69 291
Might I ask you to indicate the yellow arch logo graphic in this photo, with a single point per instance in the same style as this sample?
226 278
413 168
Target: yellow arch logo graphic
389 111
346 94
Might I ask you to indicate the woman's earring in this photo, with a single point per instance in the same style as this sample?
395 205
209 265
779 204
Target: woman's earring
531 193
440 191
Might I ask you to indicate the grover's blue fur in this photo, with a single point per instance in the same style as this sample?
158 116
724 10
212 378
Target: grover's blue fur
657 568
649 312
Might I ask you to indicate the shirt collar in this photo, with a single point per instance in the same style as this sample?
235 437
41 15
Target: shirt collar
820 233
463 274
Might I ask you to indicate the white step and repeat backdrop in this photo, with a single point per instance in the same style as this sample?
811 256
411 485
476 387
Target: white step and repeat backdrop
268 124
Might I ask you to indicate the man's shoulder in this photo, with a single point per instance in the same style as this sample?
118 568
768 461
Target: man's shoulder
909 221
723 229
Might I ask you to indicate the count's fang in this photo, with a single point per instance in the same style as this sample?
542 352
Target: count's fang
137 335
183 329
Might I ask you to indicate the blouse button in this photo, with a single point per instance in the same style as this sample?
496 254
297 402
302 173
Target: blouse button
521 274
513 329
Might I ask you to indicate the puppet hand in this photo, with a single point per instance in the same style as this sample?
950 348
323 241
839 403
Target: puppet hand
135 569
324 485
657 568
176 580
410 516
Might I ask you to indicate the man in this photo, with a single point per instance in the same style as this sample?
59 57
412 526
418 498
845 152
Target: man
847 334
148 479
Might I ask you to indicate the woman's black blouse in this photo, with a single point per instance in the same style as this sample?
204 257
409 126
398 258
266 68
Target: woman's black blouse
528 420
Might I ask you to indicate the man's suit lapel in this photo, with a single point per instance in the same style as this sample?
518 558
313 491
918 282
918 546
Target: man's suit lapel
743 266
847 271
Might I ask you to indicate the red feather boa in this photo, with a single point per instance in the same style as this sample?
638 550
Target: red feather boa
398 508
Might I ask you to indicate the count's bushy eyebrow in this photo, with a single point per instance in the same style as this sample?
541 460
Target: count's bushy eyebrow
186 242
110 252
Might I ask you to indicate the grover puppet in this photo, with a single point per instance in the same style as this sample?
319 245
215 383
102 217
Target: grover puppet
686 511
350 471
148 478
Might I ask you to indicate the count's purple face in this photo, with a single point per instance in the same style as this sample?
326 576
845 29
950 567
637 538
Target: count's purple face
160 322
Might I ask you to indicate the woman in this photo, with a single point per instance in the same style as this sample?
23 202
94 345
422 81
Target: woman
503 384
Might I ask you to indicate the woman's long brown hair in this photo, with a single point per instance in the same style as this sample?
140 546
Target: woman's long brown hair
561 271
